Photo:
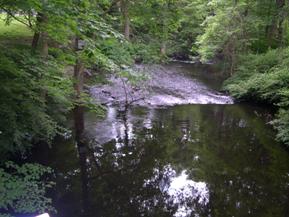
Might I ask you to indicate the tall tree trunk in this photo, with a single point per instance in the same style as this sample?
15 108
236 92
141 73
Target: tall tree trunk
126 20
44 44
43 35
280 5
79 126
35 41
280 33
37 34
78 88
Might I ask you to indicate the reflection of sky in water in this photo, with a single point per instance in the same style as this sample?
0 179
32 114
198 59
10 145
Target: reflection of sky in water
181 190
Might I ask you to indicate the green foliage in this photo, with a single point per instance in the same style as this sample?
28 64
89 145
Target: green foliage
118 52
222 30
281 124
194 14
14 30
133 77
147 53
251 37
234 27
262 77
34 95
23 189
265 78
154 24
87 102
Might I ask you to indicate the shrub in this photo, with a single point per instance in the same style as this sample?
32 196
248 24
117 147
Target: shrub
22 191
265 78
34 95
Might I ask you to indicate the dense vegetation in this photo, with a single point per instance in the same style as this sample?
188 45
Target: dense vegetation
49 49
253 37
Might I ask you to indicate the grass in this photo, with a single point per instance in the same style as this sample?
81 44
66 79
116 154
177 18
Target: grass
15 33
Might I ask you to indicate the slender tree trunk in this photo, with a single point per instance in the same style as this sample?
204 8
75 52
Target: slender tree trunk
127 28
280 5
37 34
35 41
44 44
79 124
280 33
43 35
78 113
125 14
78 88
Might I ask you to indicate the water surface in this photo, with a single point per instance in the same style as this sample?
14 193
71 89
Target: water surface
185 160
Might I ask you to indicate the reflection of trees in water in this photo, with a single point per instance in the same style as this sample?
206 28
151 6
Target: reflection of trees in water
231 150
236 158
228 148
84 179
130 177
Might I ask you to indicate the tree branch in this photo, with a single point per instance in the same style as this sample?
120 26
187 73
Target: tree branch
29 24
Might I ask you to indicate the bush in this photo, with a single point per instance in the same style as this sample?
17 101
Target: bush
281 124
147 53
119 52
22 191
34 95
265 78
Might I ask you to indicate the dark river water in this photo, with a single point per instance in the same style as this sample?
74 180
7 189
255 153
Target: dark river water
185 160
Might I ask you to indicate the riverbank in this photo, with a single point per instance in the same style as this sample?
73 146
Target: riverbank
265 78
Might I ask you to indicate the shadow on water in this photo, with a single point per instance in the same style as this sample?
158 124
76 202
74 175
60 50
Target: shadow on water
196 160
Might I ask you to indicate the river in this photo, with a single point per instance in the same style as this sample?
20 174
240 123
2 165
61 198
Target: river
173 155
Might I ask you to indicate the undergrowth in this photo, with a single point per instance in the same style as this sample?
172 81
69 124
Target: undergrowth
265 78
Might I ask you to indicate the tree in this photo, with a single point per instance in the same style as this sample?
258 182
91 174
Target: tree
124 5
